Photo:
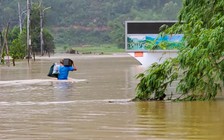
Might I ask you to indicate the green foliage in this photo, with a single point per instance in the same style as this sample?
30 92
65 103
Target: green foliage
49 45
99 49
48 39
117 33
201 60
35 27
18 43
17 49
80 37
91 49
156 79
78 22
13 34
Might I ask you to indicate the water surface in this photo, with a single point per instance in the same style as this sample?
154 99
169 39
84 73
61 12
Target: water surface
95 106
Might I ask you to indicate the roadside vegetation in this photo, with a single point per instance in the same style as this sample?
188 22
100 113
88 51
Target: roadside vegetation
13 41
199 67
90 49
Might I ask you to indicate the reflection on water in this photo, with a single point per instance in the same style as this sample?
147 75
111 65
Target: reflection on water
62 86
182 120
62 90
97 107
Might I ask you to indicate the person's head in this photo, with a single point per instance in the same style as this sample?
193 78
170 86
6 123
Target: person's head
62 61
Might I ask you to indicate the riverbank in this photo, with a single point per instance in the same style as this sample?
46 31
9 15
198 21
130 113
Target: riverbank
90 49
67 55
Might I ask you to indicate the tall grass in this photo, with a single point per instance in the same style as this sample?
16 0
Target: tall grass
90 49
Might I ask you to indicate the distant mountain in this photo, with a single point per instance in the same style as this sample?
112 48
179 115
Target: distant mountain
76 22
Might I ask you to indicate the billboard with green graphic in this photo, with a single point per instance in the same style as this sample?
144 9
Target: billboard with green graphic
144 36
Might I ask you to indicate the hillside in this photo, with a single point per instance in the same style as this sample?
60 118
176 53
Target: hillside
80 22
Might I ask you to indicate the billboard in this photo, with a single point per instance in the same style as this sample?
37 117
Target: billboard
144 36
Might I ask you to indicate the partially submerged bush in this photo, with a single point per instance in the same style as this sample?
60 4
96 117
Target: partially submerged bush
153 83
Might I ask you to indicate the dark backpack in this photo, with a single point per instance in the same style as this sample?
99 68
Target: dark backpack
50 74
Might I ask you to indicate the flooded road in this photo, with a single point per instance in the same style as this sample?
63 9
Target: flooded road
95 106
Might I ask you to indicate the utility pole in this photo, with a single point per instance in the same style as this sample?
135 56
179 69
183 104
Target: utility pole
20 17
20 12
6 43
28 31
41 30
41 27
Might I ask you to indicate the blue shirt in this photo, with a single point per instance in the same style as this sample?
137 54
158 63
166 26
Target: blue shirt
63 72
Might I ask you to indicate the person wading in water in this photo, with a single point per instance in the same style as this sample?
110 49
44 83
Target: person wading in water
61 71
65 66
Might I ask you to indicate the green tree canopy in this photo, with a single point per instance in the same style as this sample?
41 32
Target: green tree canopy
200 63
17 41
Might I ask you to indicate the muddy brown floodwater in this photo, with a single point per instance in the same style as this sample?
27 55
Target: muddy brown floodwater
94 106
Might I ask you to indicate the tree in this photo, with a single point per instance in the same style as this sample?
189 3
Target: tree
49 42
117 33
16 44
13 34
35 32
199 65
17 41
17 50
4 47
